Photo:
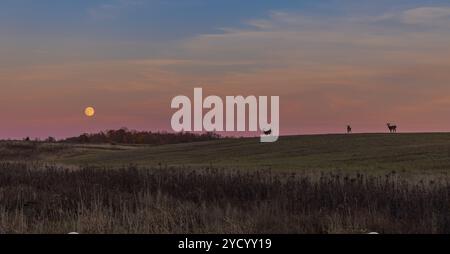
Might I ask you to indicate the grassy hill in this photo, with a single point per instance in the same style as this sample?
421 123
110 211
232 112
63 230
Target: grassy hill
424 153
187 197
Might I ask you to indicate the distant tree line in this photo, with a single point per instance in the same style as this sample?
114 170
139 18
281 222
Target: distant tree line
125 136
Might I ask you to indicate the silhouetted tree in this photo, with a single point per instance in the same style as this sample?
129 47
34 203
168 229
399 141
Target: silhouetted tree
125 136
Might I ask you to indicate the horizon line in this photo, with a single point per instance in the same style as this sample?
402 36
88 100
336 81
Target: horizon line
42 139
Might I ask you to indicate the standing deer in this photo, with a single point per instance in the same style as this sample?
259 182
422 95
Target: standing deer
349 129
392 128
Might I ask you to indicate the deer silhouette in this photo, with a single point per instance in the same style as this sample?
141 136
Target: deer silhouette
349 129
268 132
392 128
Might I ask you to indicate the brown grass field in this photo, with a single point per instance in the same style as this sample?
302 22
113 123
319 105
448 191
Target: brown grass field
305 184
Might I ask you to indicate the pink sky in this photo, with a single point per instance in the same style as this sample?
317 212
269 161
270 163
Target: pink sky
327 74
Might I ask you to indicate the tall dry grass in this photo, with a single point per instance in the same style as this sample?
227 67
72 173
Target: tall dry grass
37 198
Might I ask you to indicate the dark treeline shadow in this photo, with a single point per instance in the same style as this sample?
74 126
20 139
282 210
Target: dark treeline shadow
125 136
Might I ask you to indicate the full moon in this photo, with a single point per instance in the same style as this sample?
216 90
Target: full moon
89 111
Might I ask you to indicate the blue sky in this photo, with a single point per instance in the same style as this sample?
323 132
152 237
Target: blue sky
168 19
56 24
155 21
148 27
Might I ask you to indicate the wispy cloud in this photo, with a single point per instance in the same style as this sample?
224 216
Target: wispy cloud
421 16
292 38
427 15
112 9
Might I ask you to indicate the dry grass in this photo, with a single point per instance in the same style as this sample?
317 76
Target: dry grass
36 198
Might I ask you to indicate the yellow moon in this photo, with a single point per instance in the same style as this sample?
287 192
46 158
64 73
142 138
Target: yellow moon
89 111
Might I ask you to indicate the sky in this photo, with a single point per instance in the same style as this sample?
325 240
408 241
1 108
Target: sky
332 62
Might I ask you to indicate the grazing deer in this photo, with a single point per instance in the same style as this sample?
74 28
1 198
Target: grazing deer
349 129
392 128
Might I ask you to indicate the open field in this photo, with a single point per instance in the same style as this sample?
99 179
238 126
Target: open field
369 153
48 199
303 184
